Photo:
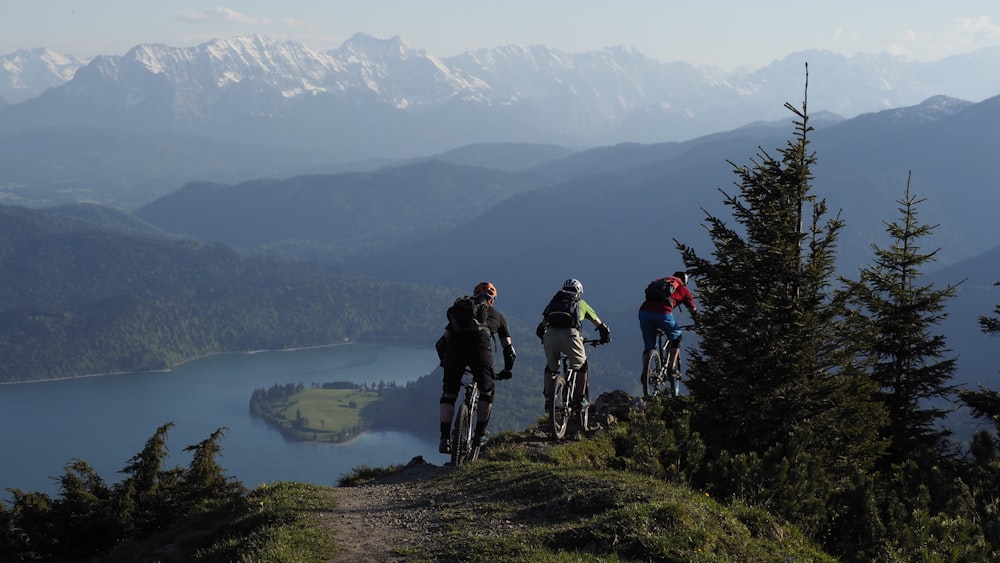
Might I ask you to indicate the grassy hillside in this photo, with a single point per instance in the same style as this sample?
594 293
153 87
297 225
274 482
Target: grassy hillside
527 499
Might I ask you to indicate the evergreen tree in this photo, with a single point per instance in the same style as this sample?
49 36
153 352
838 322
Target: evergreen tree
785 421
82 513
920 501
983 473
143 498
908 361
205 480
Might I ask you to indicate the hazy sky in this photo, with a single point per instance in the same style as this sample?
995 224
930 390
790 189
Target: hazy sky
723 33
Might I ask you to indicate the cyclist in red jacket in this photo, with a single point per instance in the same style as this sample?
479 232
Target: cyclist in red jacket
656 312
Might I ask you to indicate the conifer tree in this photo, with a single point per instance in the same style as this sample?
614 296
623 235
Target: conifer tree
907 359
785 422
205 480
917 483
983 474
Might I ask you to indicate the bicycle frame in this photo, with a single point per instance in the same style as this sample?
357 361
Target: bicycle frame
657 378
463 449
563 392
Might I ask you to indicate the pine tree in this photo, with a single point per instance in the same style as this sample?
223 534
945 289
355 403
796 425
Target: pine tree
983 473
785 421
907 360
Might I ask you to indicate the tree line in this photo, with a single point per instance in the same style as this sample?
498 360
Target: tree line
158 330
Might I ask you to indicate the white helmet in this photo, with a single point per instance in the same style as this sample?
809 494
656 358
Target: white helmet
573 285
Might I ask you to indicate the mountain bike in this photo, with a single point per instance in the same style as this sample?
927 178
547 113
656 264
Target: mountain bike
562 397
463 448
658 377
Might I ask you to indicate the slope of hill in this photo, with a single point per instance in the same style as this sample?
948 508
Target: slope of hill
108 218
511 157
338 215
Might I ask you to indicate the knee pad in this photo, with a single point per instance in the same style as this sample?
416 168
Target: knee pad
486 397
449 400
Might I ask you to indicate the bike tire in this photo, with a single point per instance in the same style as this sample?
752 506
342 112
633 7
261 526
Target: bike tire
461 441
654 374
559 414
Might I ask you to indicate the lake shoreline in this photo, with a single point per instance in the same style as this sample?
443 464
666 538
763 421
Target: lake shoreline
199 399
180 363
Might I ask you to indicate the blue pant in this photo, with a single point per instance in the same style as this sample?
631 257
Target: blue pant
649 322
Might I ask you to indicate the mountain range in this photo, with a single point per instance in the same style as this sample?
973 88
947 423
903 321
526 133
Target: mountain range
151 136
240 108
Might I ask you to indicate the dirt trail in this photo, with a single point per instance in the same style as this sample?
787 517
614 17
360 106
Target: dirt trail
371 522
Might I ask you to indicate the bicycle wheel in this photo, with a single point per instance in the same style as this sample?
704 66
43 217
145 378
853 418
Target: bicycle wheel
461 437
654 374
560 408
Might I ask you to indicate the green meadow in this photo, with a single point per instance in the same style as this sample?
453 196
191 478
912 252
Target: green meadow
320 415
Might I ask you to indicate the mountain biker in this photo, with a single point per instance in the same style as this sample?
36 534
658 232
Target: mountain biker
460 349
567 338
663 295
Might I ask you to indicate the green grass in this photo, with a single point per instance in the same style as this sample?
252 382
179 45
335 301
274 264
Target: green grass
542 512
328 415
276 526
273 523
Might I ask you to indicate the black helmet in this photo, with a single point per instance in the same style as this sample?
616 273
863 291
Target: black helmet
683 276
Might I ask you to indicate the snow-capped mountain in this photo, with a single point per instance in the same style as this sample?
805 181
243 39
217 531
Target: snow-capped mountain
26 74
379 97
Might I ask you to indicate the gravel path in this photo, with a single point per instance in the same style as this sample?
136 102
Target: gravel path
372 522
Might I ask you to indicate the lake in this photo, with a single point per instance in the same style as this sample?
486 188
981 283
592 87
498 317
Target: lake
105 420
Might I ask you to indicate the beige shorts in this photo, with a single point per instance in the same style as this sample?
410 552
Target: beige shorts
568 341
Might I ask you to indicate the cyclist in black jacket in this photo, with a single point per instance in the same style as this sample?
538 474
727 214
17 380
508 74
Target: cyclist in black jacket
473 349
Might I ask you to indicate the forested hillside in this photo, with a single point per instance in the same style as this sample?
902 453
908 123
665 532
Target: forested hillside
76 299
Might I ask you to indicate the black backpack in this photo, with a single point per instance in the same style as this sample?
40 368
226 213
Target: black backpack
563 311
468 315
659 290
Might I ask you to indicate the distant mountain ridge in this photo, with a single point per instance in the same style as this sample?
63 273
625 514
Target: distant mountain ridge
328 217
25 74
379 97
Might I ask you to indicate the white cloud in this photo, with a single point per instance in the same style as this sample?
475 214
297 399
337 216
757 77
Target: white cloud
980 25
221 15
897 50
